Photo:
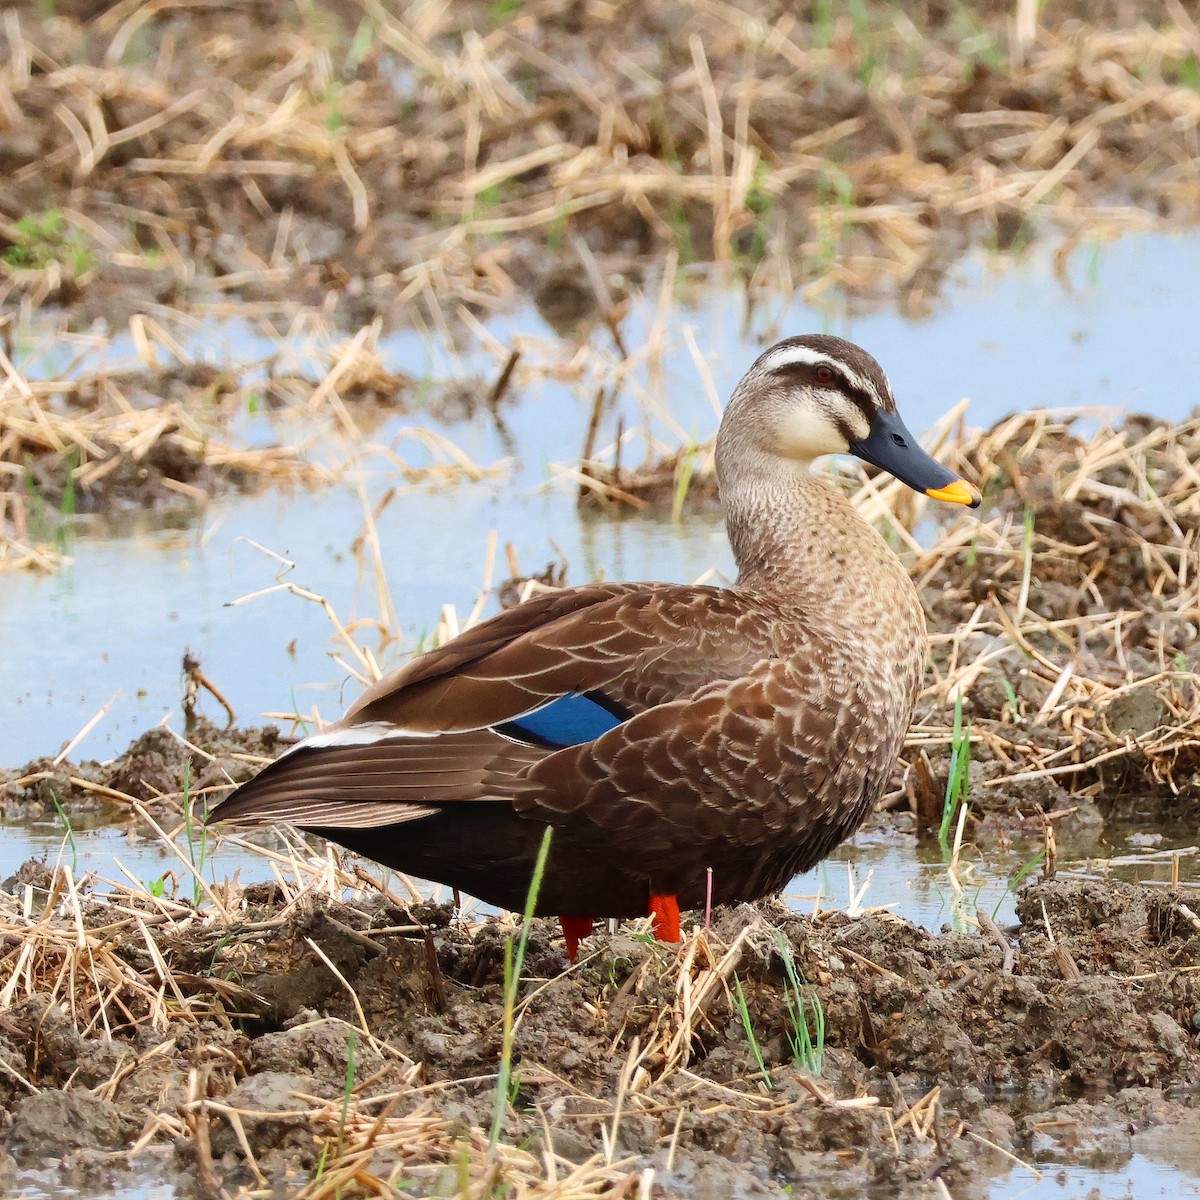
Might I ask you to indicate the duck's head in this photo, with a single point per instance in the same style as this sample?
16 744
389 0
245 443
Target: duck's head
814 395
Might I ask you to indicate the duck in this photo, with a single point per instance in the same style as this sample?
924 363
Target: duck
689 745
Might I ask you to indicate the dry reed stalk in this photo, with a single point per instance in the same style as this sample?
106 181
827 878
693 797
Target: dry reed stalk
1088 607
101 436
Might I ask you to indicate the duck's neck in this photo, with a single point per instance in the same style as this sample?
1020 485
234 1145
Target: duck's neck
799 541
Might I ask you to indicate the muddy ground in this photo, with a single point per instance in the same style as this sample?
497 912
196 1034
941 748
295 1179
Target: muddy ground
1071 1037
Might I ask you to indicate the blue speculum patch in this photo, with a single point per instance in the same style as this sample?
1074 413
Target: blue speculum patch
568 721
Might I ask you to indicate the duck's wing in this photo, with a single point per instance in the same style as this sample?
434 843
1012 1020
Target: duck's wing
633 645
748 761
469 720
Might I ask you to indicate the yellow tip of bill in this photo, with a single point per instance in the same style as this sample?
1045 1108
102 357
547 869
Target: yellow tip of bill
958 492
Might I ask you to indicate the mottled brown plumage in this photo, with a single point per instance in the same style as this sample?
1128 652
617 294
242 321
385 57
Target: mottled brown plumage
662 729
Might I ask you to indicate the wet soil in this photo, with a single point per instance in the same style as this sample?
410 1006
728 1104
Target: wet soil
155 771
350 158
1066 1036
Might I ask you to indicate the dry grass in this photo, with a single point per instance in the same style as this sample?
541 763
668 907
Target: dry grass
101 953
106 956
417 152
177 431
1075 610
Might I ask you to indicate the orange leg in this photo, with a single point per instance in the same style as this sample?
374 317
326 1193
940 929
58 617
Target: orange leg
575 929
665 911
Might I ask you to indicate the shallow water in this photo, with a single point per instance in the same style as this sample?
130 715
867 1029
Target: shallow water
143 588
878 868
127 1185
1139 1178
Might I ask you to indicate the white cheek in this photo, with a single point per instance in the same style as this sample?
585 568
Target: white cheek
805 433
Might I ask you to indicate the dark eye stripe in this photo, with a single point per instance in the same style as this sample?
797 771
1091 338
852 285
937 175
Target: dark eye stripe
861 398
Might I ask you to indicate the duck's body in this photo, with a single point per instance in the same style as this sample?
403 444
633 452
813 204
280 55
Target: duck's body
664 731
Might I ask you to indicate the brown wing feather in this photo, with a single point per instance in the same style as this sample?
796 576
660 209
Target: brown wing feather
659 786
395 698
641 645
380 783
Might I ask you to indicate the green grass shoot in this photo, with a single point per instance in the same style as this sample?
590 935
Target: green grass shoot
68 832
761 202
808 1046
348 1084
556 231
836 191
301 723
864 41
197 842
513 963
687 468
226 939
676 217
1016 881
360 47
47 524
322 1164
755 1050
956 783
45 239
66 509
822 24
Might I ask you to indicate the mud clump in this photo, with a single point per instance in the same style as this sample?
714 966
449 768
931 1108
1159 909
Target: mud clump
53 1123
154 770
305 1032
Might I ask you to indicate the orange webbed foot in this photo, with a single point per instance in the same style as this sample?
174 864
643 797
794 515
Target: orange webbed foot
665 913
575 929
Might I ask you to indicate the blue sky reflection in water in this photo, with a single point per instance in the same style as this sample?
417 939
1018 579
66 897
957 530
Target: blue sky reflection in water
1008 334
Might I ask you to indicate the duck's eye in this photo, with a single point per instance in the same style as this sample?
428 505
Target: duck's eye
824 374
